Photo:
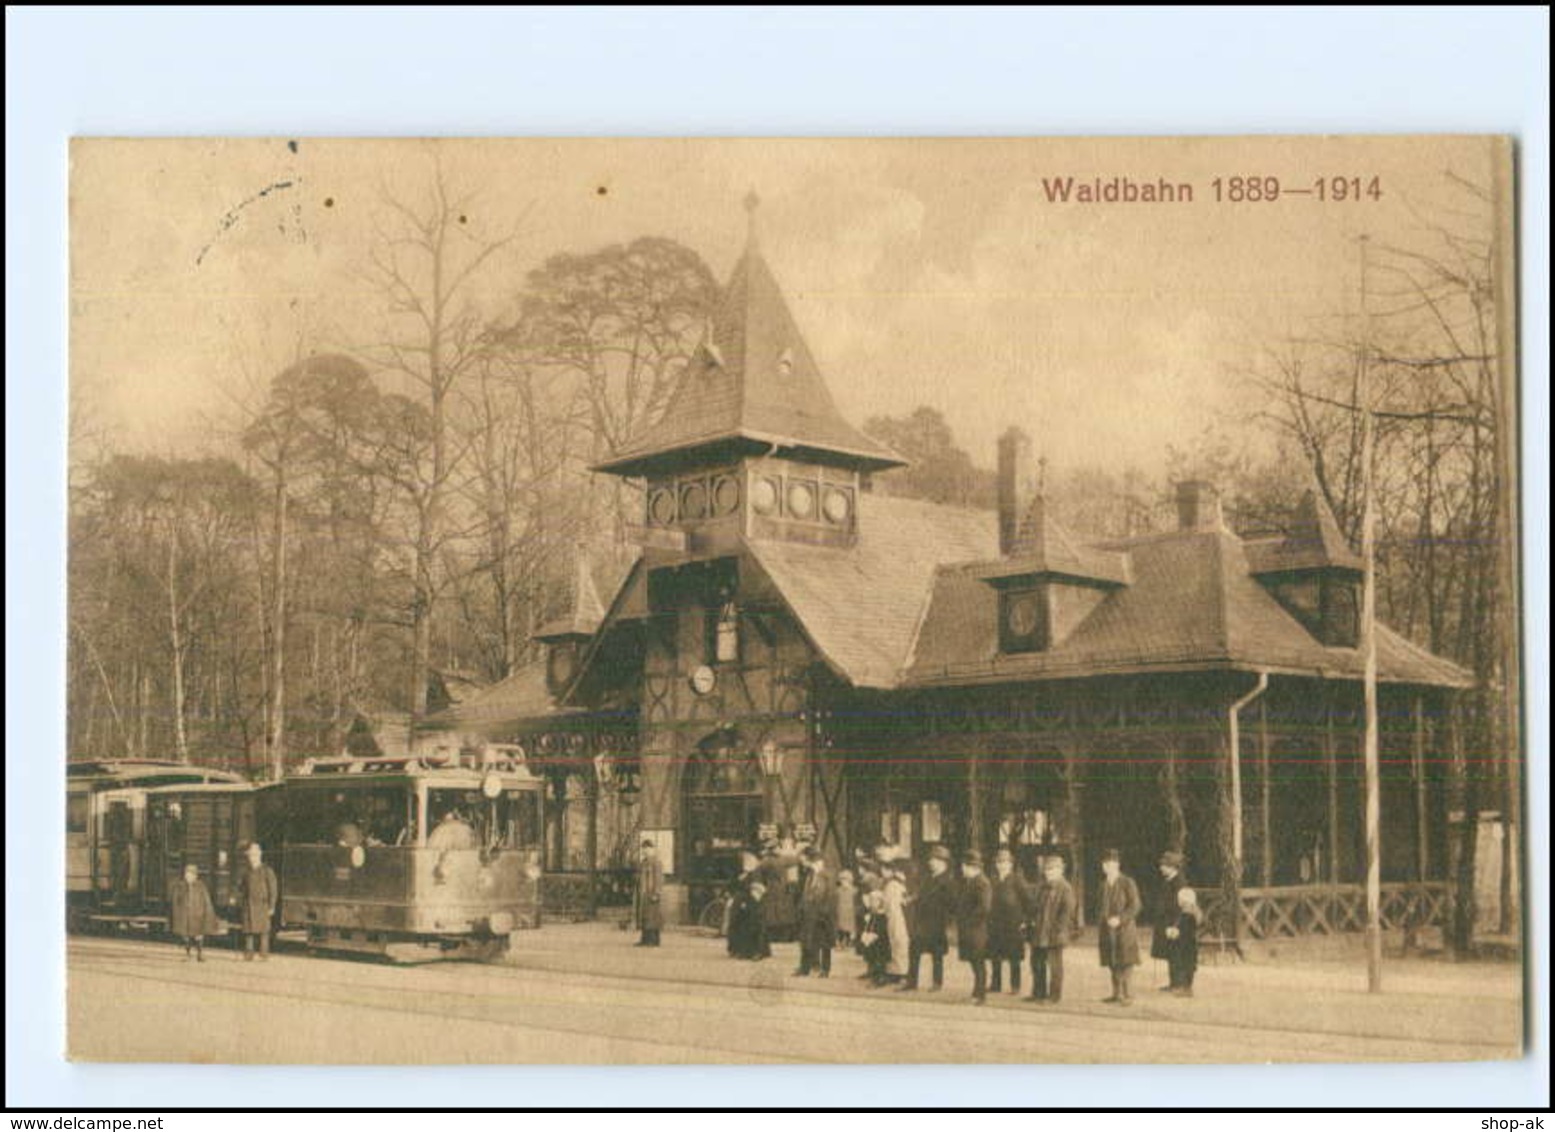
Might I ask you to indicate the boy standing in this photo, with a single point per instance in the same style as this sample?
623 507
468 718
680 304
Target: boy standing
194 915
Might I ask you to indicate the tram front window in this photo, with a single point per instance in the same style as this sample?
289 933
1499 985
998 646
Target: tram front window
465 819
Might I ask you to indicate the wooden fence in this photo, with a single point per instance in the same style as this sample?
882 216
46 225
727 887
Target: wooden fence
1329 909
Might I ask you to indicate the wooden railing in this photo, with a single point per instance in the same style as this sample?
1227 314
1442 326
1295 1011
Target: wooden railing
566 895
1329 909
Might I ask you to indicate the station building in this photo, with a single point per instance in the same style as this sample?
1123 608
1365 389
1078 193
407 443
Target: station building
795 653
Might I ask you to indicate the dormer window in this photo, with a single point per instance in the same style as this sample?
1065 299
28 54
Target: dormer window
1024 625
1341 613
561 662
1313 573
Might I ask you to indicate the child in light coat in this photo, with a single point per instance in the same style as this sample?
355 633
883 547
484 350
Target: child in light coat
847 909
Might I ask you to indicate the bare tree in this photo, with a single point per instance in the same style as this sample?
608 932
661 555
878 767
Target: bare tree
425 261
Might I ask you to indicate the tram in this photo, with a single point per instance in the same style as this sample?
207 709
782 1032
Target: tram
129 824
413 858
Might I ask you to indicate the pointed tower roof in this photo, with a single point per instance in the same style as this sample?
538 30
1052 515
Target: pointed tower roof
1314 542
1043 547
751 385
587 610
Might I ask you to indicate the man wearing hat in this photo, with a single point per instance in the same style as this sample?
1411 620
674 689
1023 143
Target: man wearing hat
972 921
1011 898
1166 913
932 909
1116 935
1052 925
817 915
647 909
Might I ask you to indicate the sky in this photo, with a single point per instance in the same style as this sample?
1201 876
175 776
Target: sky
921 272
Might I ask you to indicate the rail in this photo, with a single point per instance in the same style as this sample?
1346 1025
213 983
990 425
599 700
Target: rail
1293 911
566 895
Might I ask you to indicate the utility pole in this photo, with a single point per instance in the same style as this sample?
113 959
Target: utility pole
1369 653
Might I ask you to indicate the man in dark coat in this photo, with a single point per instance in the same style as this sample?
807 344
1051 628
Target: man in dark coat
1052 927
1166 911
647 903
258 894
1116 934
1011 898
193 914
817 916
930 921
747 929
972 912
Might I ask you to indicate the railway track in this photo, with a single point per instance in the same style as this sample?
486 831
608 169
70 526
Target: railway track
518 1014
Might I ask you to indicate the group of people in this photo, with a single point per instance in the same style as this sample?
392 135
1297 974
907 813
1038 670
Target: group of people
1175 937
906 917
193 913
896 915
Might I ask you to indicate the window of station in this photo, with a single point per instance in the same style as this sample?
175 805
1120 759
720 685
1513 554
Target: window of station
77 807
466 819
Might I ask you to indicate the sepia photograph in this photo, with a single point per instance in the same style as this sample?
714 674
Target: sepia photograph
656 601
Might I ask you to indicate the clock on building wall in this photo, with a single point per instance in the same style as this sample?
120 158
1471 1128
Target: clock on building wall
703 680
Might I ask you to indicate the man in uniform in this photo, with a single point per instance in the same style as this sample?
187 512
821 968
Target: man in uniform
1052 925
650 892
258 892
1166 913
931 919
972 922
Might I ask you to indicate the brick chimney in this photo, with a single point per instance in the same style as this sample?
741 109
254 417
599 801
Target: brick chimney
1015 486
1198 506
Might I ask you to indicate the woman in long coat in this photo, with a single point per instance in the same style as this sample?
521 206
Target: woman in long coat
895 893
647 903
747 927
1172 882
193 915
1116 933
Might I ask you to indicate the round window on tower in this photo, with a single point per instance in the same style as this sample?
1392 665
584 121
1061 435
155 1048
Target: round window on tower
801 500
726 495
764 495
693 501
838 505
661 507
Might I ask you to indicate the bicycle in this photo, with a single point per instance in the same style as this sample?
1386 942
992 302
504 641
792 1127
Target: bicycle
714 917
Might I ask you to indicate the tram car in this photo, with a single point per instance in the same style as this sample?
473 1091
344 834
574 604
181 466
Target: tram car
412 858
131 825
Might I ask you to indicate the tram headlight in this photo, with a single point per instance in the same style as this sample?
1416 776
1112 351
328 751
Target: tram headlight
358 856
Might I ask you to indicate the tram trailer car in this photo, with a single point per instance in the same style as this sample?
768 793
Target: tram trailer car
412 859
130 827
